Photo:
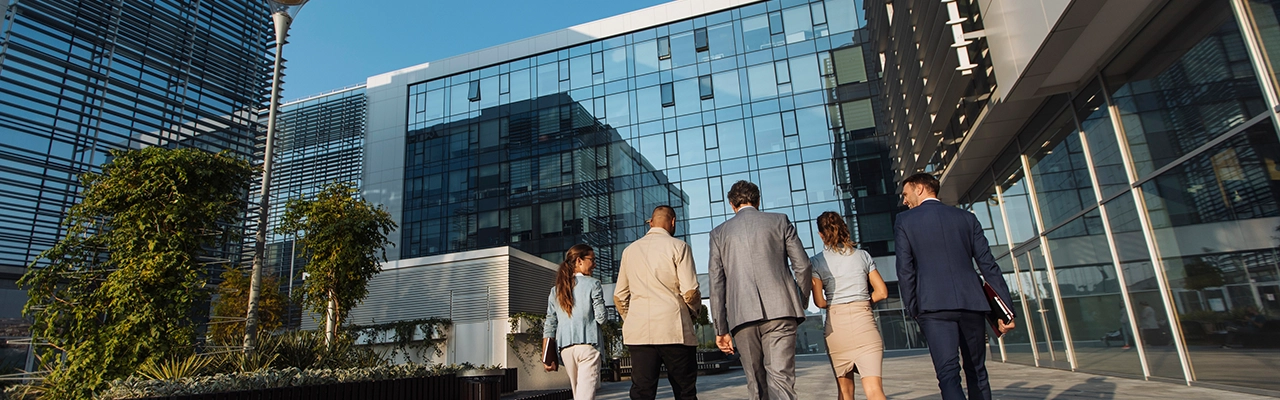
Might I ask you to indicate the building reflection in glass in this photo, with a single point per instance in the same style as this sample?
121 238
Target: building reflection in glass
539 175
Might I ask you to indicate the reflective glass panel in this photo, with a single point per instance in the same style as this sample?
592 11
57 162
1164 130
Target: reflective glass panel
1215 219
1100 134
1206 92
1060 173
1091 297
1017 209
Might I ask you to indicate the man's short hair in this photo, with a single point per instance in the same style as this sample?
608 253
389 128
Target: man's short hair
927 180
664 210
744 192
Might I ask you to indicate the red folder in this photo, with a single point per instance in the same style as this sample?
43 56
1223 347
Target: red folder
1000 311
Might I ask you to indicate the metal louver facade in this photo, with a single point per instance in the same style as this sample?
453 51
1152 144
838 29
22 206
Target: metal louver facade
80 78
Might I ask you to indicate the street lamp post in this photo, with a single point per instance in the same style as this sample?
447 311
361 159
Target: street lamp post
282 12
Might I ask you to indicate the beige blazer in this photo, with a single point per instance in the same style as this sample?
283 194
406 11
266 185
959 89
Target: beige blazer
657 291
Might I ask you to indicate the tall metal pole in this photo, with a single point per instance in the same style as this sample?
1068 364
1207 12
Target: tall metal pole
282 20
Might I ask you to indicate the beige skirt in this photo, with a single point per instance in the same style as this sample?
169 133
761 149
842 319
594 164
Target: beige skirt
853 341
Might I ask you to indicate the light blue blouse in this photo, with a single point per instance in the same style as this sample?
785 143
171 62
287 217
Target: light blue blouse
844 277
588 313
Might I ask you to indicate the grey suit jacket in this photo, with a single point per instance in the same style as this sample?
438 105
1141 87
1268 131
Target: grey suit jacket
750 280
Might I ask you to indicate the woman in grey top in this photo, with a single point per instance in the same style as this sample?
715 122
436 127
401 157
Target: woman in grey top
575 310
842 283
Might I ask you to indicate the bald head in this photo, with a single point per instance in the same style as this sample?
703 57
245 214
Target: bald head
664 217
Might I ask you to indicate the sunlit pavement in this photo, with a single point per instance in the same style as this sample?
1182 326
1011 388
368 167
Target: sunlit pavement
909 375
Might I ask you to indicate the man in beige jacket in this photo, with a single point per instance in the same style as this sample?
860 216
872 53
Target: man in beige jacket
657 296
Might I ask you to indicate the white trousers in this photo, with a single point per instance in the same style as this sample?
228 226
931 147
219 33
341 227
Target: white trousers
582 362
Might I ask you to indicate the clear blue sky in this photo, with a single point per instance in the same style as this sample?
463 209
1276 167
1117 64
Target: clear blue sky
337 43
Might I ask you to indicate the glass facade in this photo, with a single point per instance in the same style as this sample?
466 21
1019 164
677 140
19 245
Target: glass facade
320 140
579 144
80 78
1136 217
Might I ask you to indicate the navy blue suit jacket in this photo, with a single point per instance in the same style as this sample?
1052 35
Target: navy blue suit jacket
936 248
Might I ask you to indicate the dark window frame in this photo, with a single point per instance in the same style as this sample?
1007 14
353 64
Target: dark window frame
700 40
705 88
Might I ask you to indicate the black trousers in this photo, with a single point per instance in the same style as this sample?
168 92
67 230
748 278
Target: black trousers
957 340
682 370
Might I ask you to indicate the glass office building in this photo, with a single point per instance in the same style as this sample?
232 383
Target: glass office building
579 142
79 78
1135 211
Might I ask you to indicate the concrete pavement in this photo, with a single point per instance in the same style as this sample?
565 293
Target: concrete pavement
909 375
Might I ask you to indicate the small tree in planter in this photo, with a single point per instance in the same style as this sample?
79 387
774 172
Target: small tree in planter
345 238
233 297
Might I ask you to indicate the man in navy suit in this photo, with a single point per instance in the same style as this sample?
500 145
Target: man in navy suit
937 246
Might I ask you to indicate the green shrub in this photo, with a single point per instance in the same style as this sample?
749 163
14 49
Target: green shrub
191 366
136 387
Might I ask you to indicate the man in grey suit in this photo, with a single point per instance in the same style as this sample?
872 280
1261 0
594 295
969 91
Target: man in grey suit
754 297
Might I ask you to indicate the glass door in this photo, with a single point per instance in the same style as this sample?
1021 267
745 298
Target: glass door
1017 343
1046 331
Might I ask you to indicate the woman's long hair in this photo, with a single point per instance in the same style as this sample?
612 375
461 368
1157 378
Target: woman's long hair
835 234
564 277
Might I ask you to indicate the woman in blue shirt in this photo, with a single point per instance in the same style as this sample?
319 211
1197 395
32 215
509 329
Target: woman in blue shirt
575 310
842 283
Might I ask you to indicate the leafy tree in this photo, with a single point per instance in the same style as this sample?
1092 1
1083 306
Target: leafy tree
233 294
122 287
344 237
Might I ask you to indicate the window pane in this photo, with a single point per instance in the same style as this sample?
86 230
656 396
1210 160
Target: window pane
687 101
649 103
1017 207
580 72
783 71
1193 100
755 33
819 14
842 16
1091 297
692 147
799 26
761 79
727 89
804 74
812 124
775 188
720 41
435 104
459 103
552 220
548 79
619 109
1061 176
768 132
705 87
775 23
615 64
733 139
682 52
1095 120
489 92
668 95
646 58
520 85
